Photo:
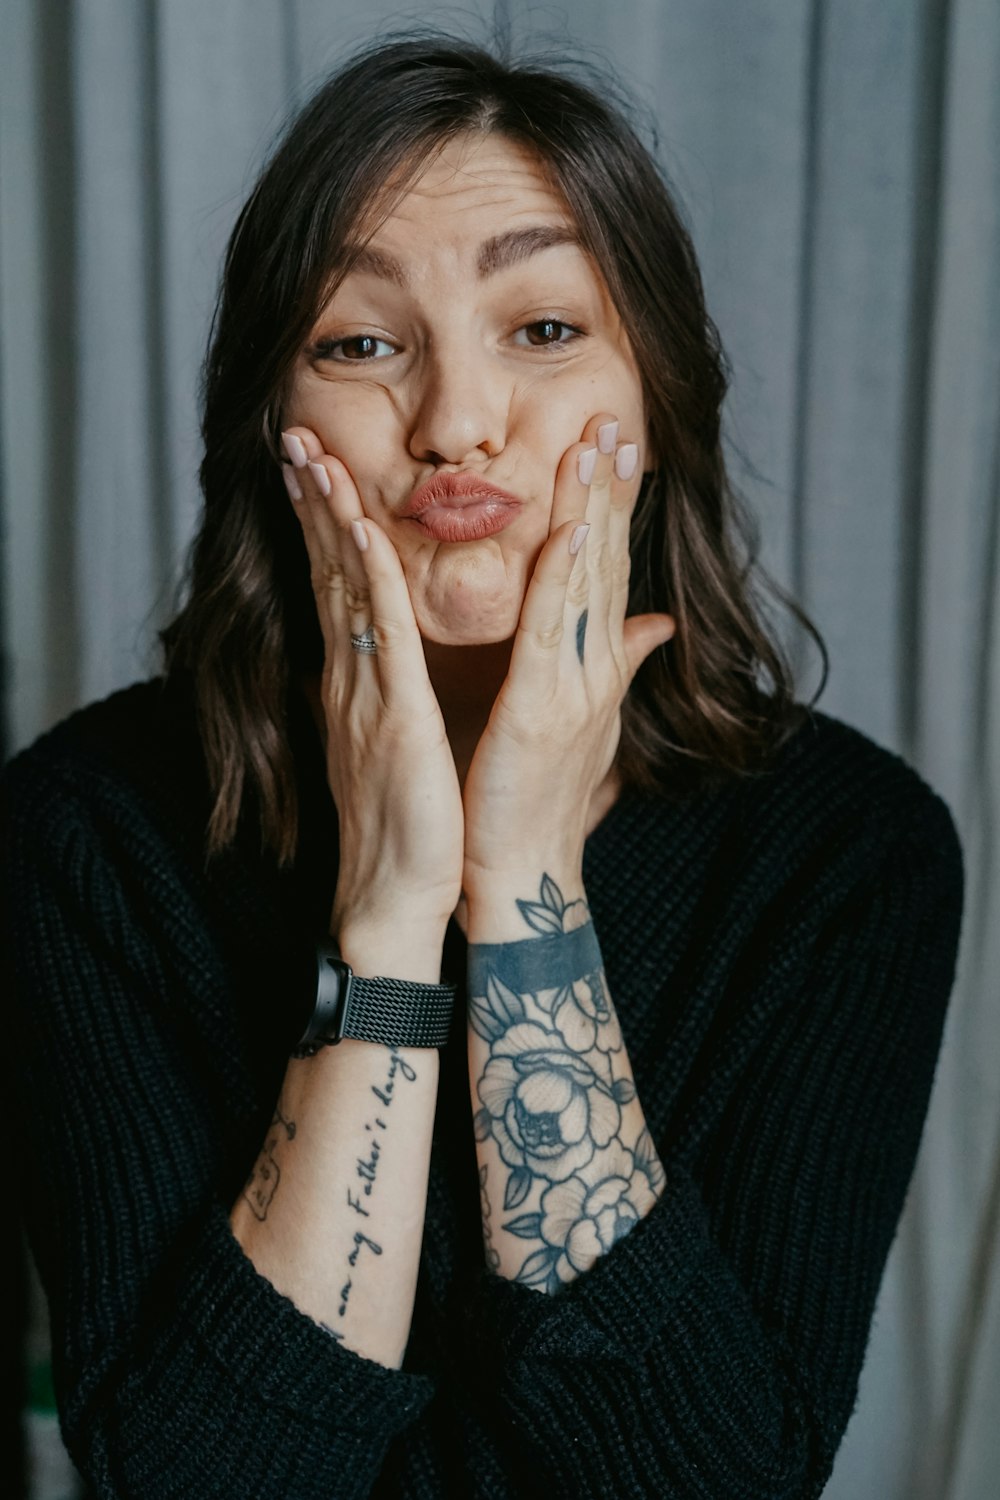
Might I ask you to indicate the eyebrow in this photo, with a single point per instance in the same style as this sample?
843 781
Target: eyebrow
495 254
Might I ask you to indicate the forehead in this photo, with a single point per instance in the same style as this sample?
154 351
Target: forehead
478 206
474 187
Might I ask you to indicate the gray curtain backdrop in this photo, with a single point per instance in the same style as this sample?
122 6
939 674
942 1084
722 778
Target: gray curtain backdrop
838 164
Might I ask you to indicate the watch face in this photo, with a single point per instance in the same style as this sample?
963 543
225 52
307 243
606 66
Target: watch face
332 979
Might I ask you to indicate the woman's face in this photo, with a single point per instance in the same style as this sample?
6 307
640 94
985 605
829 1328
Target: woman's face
455 364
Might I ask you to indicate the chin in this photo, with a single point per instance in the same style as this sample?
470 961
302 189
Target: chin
463 611
472 627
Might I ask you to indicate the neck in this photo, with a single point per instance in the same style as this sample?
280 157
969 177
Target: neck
466 681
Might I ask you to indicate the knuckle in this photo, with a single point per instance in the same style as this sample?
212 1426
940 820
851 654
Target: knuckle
601 561
355 596
388 633
327 572
549 637
578 589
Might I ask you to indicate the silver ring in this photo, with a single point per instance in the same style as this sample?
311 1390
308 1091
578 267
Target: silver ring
365 643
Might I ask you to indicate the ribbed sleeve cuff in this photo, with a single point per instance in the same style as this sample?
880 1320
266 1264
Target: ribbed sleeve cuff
249 1329
615 1309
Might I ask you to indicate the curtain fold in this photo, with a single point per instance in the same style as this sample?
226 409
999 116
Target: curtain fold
837 163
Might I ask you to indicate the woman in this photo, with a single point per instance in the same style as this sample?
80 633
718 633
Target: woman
587 1186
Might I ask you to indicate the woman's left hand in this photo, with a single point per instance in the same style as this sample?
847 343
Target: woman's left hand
554 728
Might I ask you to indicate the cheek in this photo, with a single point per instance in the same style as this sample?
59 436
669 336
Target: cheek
557 410
361 428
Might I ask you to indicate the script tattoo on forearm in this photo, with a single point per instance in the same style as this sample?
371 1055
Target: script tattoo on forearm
366 1166
262 1184
549 1095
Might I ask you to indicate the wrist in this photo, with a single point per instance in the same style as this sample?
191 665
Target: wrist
391 952
540 899
399 919
524 868
387 1007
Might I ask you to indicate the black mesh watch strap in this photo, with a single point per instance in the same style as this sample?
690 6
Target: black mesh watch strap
393 1012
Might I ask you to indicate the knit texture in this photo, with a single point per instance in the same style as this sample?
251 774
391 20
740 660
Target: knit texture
780 954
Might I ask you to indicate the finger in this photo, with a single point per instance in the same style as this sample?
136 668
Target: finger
642 635
624 493
300 445
329 500
602 430
611 502
583 482
545 620
291 482
336 504
305 503
584 470
601 433
599 559
305 454
402 669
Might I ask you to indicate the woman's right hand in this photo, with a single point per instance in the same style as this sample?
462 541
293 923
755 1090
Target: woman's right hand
389 762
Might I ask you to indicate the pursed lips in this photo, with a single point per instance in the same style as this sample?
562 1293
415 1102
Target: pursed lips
456 491
461 508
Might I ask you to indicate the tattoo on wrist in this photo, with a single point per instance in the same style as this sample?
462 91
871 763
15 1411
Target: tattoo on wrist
549 1096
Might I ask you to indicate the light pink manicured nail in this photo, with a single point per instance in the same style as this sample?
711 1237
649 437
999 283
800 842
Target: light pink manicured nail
321 477
296 449
360 536
585 465
607 437
578 538
625 460
291 483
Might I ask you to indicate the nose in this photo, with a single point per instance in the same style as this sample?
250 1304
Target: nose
462 409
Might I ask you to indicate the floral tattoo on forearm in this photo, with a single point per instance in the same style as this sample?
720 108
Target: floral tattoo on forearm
552 1092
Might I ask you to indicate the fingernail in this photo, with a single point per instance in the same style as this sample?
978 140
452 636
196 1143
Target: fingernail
360 536
321 477
291 483
585 465
607 437
296 449
625 460
578 538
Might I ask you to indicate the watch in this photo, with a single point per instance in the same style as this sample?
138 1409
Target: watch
394 1012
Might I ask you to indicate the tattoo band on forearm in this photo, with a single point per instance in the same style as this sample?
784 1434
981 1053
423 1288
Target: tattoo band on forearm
530 965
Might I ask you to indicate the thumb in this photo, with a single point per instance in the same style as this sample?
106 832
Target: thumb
641 635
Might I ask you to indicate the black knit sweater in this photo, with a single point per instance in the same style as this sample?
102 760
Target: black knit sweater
780 954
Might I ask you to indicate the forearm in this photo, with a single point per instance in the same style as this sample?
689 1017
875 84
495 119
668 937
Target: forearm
333 1211
566 1165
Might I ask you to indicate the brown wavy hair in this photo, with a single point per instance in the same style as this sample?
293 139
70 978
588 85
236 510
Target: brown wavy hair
718 701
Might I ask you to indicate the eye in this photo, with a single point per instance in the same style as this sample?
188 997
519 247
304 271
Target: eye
545 327
358 349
